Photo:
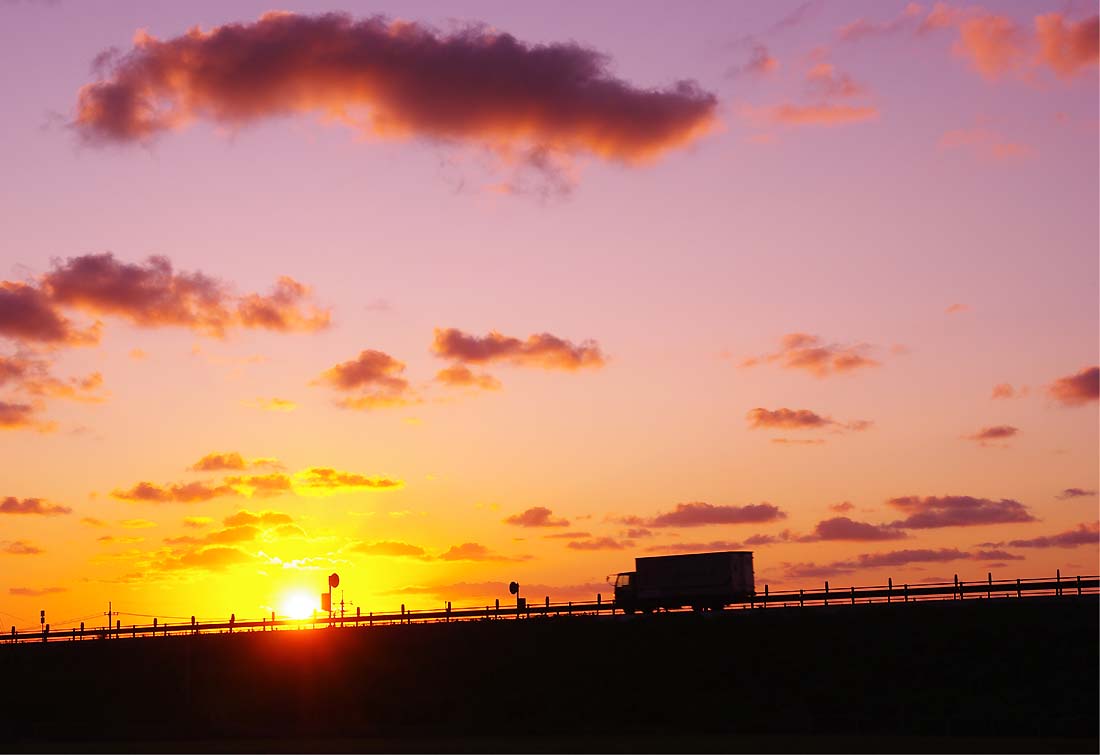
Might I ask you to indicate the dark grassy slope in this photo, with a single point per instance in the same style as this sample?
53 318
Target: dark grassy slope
980 668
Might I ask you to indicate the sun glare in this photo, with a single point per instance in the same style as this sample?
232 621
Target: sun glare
299 605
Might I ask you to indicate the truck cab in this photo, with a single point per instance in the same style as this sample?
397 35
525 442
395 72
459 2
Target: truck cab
626 593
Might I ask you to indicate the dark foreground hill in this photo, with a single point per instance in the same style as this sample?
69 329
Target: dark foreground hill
978 675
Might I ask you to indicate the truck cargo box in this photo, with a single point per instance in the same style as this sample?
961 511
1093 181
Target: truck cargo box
726 574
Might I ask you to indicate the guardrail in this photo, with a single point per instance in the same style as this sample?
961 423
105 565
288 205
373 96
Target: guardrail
826 596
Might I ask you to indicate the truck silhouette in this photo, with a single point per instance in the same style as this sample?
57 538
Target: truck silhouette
704 581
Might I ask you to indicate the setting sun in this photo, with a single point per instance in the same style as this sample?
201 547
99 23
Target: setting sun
298 605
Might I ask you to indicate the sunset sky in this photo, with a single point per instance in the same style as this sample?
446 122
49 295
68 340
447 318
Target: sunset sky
438 299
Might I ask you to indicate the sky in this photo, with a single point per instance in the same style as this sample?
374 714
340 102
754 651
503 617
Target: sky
441 296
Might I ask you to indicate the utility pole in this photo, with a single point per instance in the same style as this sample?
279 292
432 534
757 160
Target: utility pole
111 613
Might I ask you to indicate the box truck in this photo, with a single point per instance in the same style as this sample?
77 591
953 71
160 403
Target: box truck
704 581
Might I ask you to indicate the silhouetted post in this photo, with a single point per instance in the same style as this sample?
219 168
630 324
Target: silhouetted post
989 590
889 588
370 619
826 592
570 611
13 633
154 627
765 597
82 629
1078 584
1018 589
547 604
906 593
599 598
45 632
853 595
955 589
801 598
357 615
402 613
1058 583
496 611
448 611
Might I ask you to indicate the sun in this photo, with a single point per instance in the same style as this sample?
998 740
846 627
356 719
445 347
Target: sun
299 605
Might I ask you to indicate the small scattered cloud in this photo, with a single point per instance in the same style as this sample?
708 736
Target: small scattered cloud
461 376
600 544
986 144
760 63
536 516
191 492
374 378
1069 493
137 524
272 404
19 548
802 351
800 419
196 522
842 507
32 506
815 114
990 435
264 519
326 481
957 309
475 552
1078 389
390 548
231 461
35 592
1007 391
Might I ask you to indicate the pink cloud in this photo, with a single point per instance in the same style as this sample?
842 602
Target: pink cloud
994 433
539 350
459 375
1087 533
843 528
413 81
1068 48
957 511
821 114
1069 493
987 144
802 351
1077 389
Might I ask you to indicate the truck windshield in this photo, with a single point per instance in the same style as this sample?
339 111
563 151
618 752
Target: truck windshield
622 580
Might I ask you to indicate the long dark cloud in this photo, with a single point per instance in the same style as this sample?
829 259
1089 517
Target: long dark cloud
154 294
699 513
894 558
1069 493
474 85
35 506
957 511
538 350
843 528
536 516
1082 534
